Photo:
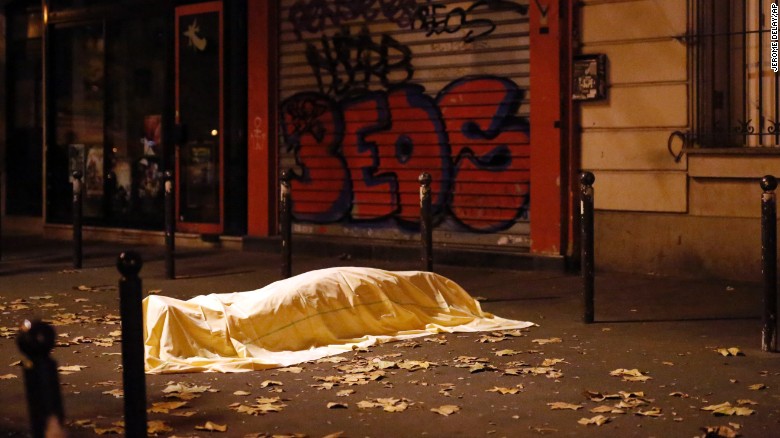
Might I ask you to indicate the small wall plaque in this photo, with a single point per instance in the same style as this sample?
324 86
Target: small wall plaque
590 77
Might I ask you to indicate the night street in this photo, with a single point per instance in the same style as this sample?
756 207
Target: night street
649 366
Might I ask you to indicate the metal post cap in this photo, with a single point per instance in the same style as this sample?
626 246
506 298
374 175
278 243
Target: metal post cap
35 338
129 263
425 178
168 175
587 178
768 183
77 174
285 176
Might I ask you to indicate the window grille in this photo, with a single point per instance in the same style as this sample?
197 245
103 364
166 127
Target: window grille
736 102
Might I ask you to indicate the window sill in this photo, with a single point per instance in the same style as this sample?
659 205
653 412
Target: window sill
733 151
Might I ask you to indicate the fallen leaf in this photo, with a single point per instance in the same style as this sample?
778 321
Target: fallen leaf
267 383
241 393
109 430
757 387
332 359
598 420
165 407
507 352
212 427
726 408
733 351
8 376
607 410
70 369
503 390
563 405
446 410
653 412
262 406
294 370
183 413
632 375
678 394
719 432
339 434
671 364
551 362
345 392
547 341
414 365
335 405
157 426
745 401
118 393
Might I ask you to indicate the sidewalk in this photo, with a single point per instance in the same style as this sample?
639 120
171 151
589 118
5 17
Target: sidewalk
667 329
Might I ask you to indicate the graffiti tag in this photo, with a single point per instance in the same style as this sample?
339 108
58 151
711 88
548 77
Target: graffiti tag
359 158
347 63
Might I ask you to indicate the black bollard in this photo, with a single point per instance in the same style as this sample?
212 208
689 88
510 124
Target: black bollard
170 226
285 220
77 216
44 401
769 262
426 229
133 379
587 256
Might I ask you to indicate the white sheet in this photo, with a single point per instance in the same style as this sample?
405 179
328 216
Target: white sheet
306 317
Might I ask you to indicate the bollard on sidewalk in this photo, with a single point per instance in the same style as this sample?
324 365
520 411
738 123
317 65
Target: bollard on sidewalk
285 221
77 219
44 400
587 256
129 265
426 228
170 226
769 262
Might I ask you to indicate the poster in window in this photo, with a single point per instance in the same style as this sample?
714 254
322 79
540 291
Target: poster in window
200 169
590 77
123 174
149 179
93 175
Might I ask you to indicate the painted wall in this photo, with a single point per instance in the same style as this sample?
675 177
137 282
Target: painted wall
375 92
696 217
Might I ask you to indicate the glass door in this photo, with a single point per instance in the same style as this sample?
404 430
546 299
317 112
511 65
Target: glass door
199 152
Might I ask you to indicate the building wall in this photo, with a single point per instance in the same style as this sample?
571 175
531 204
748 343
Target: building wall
371 97
695 217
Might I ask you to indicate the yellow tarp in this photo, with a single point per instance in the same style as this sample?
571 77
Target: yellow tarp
306 317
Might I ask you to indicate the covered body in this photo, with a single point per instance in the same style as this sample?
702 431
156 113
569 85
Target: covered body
306 317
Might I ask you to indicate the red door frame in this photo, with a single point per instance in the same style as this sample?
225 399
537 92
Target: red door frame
199 227
550 23
262 176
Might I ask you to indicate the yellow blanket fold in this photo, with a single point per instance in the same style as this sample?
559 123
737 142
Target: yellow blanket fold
306 317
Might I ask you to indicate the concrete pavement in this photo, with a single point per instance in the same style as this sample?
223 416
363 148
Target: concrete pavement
669 330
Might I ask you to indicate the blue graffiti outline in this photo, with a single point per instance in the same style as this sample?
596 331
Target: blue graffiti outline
370 178
503 120
340 208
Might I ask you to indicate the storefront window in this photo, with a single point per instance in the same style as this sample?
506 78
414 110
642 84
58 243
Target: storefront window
108 101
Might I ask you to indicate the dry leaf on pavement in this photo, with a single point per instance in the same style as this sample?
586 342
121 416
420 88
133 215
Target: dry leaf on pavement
446 410
294 370
507 352
719 432
726 408
632 375
157 426
267 383
652 412
70 369
117 393
547 341
733 351
757 387
212 427
262 406
334 405
598 420
607 410
504 390
165 407
8 376
241 393
563 405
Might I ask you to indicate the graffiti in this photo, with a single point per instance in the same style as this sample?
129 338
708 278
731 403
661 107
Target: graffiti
359 158
313 16
347 63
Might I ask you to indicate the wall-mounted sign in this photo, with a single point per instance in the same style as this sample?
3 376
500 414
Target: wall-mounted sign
590 77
